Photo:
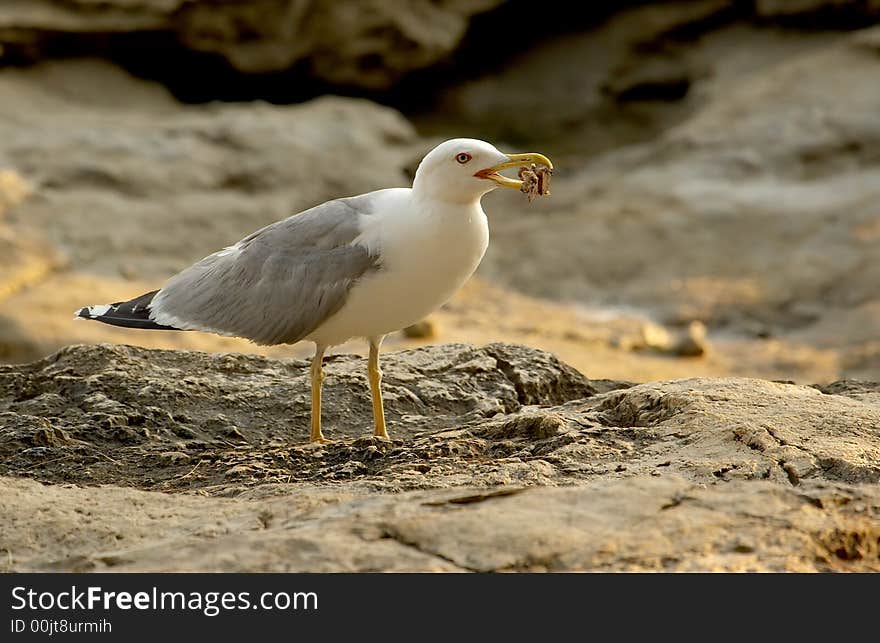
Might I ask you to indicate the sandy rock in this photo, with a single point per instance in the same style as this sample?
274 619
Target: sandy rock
641 524
807 9
124 173
147 186
625 344
649 524
367 44
123 388
689 342
13 190
693 342
631 73
757 214
127 186
426 329
25 259
502 458
570 83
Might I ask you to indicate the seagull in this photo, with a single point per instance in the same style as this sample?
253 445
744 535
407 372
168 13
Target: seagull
361 266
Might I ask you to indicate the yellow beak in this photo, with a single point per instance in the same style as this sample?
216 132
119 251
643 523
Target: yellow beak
516 160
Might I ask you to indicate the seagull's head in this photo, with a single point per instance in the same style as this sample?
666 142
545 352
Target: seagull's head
464 169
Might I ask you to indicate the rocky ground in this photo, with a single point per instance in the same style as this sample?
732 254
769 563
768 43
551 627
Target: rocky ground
756 215
355 42
502 459
106 165
713 219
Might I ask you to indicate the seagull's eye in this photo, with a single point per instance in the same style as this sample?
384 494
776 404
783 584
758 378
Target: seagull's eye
463 157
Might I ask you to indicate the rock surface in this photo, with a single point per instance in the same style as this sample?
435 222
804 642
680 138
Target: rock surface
757 214
108 186
117 163
502 459
350 42
117 186
627 73
747 213
714 213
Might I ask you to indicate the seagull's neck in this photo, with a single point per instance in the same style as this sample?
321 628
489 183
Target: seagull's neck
438 201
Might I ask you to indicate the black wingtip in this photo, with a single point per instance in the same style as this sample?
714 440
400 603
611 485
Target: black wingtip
134 313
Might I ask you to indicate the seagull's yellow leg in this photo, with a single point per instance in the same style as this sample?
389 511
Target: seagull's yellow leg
376 388
317 375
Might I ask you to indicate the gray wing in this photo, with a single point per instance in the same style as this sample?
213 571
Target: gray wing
276 285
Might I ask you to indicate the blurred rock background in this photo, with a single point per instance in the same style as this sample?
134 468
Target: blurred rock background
716 208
